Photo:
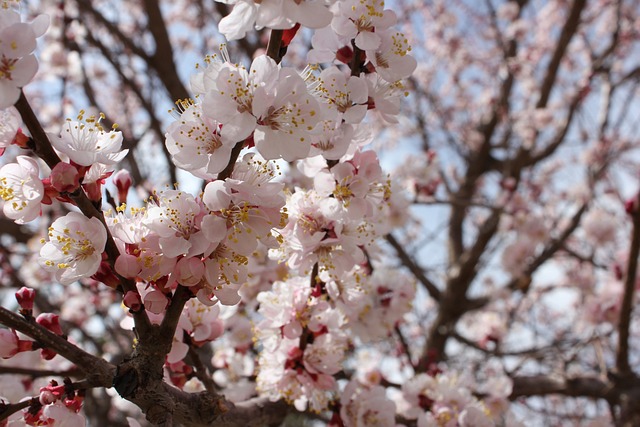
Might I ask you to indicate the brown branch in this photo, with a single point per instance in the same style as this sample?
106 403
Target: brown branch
235 153
405 345
6 410
86 7
44 149
171 318
542 385
273 47
202 373
162 59
568 31
408 262
551 248
622 357
98 371
37 373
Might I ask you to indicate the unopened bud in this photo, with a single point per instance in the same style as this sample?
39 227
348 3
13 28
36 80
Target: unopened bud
65 178
132 301
631 205
122 180
25 297
21 140
155 302
50 321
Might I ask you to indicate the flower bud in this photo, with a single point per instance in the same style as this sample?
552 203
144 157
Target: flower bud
127 266
190 271
47 397
106 275
50 321
133 301
155 302
21 140
65 178
8 343
25 297
122 180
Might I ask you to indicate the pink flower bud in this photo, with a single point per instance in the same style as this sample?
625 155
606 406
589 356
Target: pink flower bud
631 205
127 266
21 140
122 180
190 271
93 191
65 178
106 275
155 302
8 343
25 297
50 321
47 397
133 301
47 354
292 330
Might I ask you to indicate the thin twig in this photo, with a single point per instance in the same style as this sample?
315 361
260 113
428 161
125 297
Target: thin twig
622 357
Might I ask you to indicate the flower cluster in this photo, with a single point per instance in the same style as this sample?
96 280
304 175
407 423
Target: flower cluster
447 399
373 304
303 345
18 65
297 254
74 249
332 223
203 244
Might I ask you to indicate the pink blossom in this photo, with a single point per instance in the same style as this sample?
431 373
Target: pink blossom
10 122
21 190
363 20
25 297
279 14
17 64
366 406
86 142
272 101
345 97
175 220
189 271
155 302
196 145
62 415
74 249
8 343
391 58
122 180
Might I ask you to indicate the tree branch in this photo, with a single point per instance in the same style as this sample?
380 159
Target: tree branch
98 371
406 260
622 357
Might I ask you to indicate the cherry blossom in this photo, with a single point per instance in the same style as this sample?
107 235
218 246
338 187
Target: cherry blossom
21 190
9 125
273 14
366 405
362 21
391 58
345 97
86 142
271 100
196 145
74 248
17 63
175 220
